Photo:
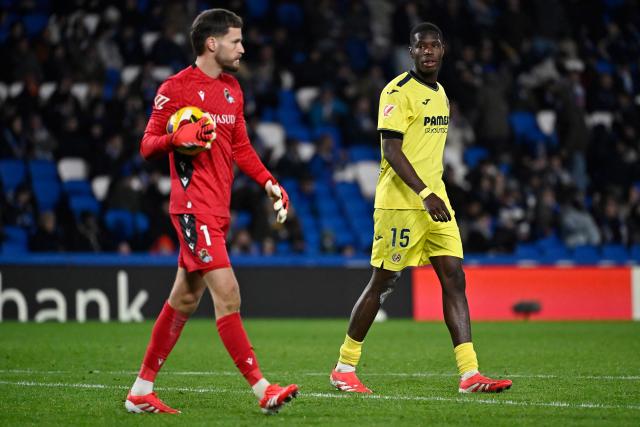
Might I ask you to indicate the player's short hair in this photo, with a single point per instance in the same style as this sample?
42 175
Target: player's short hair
424 27
212 22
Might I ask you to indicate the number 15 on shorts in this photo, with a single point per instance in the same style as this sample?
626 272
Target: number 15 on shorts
400 238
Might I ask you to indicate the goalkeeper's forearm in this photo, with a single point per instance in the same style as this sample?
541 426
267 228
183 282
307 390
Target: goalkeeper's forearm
153 146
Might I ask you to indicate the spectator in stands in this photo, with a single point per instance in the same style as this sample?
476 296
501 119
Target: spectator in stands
48 236
611 220
324 160
576 224
291 165
89 236
327 109
21 208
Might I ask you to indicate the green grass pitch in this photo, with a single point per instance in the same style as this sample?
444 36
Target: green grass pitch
564 374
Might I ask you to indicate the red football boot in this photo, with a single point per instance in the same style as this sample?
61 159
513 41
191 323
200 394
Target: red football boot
348 381
148 403
480 383
275 397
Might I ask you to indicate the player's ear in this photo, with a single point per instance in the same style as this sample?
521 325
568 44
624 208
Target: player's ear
211 43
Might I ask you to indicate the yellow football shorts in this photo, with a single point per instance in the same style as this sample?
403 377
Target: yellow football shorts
408 237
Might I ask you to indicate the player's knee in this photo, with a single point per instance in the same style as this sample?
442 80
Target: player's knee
186 302
228 302
388 285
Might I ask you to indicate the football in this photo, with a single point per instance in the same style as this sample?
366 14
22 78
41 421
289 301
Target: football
184 116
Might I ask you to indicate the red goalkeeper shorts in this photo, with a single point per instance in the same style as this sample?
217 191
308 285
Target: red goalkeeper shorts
202 241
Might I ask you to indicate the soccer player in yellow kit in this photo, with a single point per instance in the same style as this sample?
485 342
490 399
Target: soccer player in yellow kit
414 223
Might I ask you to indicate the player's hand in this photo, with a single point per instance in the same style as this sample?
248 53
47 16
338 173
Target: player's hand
436 207
280 200
199 134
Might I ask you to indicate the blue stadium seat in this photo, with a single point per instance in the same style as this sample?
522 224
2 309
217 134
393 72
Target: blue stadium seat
614 253
12 173
527 251
335 133
556 254
16 240
474 155
359 153
78 187
586 255
43 170
47 193
283 248
242 220
290 15
34 23
257 8
124 224
634 253
525 128
82 203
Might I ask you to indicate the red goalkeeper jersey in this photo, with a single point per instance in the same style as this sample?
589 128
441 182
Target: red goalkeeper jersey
202 183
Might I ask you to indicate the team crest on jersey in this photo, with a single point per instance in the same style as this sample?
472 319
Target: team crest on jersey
228 96
396 257
204 255
386 111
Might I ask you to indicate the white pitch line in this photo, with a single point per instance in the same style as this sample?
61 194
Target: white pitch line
497 401
314 374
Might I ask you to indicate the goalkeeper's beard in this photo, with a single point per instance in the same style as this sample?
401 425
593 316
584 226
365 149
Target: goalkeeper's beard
230 66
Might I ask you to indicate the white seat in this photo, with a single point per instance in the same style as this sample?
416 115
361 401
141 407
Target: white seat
148 40
100 186
306 150
273 136
164 185
80 91
546 121
604 118
305 96
161 73
367 176
130 73
46 90
73 168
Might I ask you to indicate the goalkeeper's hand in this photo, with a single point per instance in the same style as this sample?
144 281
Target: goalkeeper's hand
198 134
280 200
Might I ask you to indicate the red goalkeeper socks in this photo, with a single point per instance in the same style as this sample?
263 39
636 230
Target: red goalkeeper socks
237 343
164 336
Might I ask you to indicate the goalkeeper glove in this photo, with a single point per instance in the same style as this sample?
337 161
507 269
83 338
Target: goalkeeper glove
280 199
198 134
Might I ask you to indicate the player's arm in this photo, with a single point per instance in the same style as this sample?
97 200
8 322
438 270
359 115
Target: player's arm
156 141
393 119
250 164
392 149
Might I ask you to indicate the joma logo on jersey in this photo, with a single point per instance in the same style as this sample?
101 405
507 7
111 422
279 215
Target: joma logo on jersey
436 120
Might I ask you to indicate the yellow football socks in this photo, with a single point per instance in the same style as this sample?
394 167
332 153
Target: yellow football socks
466 358
350 351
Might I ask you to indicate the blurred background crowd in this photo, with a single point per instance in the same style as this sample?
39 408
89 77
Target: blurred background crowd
542 151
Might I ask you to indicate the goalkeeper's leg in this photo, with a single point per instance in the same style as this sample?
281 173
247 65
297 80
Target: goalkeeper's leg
225 292
380 285
183 301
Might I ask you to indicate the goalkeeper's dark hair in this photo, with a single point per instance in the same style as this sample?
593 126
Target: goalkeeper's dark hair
424 27
212 23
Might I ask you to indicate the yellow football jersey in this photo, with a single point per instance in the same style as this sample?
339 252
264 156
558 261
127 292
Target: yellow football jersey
420 112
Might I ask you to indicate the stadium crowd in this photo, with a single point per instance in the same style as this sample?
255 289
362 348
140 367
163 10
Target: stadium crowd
543 142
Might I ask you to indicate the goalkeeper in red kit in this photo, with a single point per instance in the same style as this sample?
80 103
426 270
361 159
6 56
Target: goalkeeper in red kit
199 204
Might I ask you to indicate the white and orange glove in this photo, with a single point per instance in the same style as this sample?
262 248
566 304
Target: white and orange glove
280 200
